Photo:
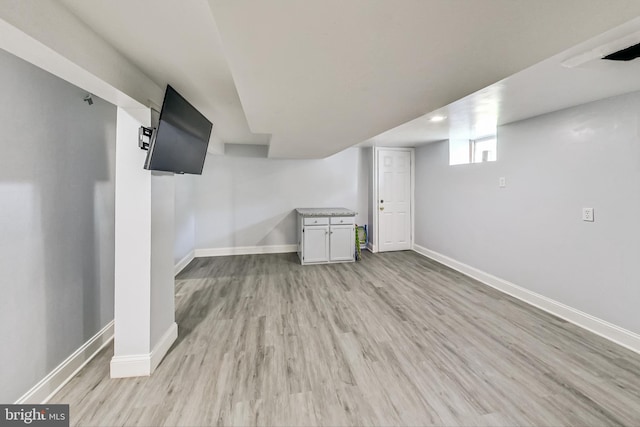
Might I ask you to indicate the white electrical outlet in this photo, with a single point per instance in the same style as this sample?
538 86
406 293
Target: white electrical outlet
587 214
502 182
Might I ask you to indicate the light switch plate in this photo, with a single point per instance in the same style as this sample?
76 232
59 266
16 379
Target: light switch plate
587 214
502 182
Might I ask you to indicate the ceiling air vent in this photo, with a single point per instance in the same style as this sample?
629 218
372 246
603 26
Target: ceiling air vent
627 54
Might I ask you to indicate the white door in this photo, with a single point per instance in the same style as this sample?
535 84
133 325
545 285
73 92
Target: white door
394 200
342 242
316 243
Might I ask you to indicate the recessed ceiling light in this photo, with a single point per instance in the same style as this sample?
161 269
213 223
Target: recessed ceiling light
437 118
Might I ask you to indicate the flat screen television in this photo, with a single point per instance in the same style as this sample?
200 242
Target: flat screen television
179 144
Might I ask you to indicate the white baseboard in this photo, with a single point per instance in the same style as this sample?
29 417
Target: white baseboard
62 374
184 262
162 347
138 365
246 250
371 247
143 365
591 323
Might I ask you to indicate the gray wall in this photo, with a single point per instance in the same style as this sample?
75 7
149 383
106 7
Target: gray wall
531 233
248 201
185 216
56 222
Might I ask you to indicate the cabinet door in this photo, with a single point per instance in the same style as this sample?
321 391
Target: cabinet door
316 244
342 239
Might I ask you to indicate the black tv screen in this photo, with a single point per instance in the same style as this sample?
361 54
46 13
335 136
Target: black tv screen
180 142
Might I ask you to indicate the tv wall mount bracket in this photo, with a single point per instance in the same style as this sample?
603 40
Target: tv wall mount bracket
144 137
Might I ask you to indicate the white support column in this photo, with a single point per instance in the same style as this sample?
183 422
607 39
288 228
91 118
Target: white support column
164 329
145 324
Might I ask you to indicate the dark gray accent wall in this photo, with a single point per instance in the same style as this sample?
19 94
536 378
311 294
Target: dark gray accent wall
57 165
531 233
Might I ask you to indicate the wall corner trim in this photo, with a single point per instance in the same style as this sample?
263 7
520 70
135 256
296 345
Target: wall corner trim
143 365
246 250
609 331
64 372
184 262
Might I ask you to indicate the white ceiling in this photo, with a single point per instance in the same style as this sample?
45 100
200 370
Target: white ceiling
542 88
312 78
177 43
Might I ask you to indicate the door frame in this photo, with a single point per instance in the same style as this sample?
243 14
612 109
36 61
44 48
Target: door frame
374 205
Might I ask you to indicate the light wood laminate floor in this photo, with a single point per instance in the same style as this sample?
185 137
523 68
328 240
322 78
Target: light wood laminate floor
396 339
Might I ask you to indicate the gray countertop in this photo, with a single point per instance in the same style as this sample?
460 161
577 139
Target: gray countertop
325 212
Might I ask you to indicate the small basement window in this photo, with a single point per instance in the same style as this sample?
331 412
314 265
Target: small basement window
484 150
466 151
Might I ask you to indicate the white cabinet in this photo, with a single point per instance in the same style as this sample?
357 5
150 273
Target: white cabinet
326 239
316 243
342 243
